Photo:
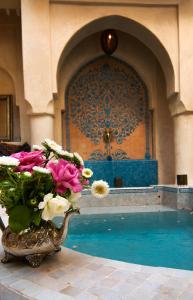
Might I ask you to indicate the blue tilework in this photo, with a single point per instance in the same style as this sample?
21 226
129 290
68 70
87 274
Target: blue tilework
168 189
134 173
186 190
176 189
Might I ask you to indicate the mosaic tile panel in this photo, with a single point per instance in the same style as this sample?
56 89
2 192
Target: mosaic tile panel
107 94
117 155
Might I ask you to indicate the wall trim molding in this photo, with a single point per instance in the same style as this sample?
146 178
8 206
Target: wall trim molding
141 3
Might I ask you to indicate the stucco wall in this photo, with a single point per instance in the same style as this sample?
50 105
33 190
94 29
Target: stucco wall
11 76
71 23
163 132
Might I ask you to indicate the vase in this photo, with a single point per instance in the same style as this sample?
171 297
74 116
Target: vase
35 243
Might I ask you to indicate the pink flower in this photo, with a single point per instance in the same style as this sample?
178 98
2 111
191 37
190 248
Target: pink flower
28 160
66 176
85 182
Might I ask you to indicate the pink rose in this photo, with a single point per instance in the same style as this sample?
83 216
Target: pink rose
29 159
66 176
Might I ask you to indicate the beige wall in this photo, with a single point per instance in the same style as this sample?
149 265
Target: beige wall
11 76
183 138
163 132
54 38
36 55
186 52
142 60
67 20
6 83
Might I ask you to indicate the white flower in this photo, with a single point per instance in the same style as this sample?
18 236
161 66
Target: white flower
68 154
73 198
38 147
64 153
41 170
79 158
46 199
60 151
27 174
9 161
53 145
87 173
53 207
100 188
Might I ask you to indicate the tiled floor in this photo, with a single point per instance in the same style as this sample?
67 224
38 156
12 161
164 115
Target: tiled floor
72 275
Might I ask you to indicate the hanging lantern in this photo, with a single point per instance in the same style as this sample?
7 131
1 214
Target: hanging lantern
109 41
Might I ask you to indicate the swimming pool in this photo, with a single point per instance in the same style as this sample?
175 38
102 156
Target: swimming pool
156 238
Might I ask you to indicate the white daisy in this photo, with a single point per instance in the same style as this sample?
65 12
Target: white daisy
100 188
9 161
41 170
53 145
68 154
79 158
87 173
38 147
60 152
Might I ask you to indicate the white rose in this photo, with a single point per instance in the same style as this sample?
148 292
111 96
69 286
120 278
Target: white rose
53 207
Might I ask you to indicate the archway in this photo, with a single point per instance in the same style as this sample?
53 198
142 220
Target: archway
136 54
132 28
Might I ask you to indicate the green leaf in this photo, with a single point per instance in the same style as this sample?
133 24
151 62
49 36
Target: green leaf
19 218
36 218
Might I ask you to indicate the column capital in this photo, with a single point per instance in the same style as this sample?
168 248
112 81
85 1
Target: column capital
40 114
176 106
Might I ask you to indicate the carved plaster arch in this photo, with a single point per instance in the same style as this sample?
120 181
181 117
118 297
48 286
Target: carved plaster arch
133 28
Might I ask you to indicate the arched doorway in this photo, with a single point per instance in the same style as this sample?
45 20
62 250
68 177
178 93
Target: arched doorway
107 113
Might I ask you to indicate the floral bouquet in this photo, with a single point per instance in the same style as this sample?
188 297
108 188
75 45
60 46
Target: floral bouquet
39 185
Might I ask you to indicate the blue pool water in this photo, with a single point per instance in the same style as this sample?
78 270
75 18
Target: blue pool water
156 239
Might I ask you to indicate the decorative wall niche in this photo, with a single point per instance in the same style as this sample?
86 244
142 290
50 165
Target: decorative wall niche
107 95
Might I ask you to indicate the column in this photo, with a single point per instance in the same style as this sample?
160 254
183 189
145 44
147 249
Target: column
183 142
41 127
